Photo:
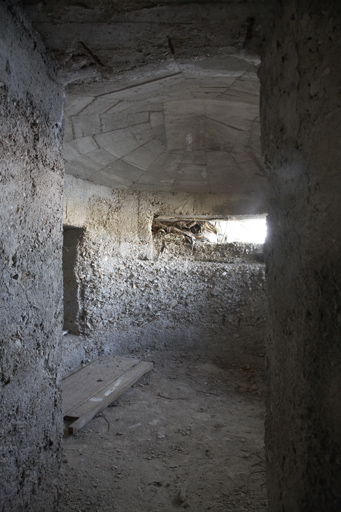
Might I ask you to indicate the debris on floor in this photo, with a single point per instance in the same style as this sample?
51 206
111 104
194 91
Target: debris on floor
184 437
191 230
91 389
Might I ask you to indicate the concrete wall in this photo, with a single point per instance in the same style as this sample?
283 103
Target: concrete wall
30 269
135 298
301 121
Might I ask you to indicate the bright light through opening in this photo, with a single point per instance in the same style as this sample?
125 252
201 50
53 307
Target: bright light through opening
244 230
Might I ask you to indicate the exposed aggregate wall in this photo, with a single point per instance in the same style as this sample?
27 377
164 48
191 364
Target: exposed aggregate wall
134 298
31 171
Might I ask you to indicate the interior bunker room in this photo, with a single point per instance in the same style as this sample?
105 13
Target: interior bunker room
170 255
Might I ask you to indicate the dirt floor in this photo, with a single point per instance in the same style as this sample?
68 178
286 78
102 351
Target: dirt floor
189 434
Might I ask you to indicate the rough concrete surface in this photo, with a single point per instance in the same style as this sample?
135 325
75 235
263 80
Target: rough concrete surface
98 39
301 120
30 270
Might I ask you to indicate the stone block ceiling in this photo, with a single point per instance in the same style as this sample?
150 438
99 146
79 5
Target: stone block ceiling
195 129
160 96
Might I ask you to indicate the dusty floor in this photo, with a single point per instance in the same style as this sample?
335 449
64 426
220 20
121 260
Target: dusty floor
188 435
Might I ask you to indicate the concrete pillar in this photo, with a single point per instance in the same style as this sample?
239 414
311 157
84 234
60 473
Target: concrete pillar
31 180
300 115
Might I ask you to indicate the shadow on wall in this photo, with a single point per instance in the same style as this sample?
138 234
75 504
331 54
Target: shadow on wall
72 238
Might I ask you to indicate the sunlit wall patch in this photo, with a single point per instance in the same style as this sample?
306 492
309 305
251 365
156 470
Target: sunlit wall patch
244 230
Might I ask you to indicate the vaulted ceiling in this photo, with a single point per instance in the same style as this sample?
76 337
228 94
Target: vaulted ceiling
160 96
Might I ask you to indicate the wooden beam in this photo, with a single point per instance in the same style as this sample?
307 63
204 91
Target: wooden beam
106 397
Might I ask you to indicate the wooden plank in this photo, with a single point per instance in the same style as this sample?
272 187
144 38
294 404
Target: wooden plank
92 378
106 397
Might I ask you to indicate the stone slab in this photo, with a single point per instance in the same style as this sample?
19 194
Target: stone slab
141 157
118 142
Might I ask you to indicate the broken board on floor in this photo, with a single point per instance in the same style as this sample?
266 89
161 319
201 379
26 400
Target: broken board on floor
92 388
